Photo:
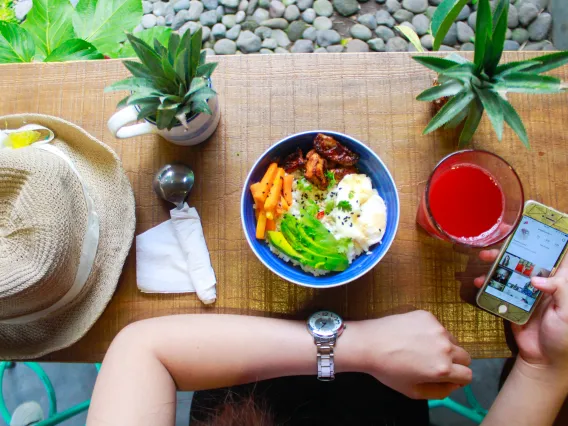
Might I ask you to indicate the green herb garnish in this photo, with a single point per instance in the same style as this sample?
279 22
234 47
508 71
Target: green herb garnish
345 206
304 186
329 206
331 176
351 194
312 208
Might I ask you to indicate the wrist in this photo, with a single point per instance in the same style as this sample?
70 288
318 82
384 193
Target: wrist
547 376
350 349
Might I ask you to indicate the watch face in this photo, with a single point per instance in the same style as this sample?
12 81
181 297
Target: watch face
325 323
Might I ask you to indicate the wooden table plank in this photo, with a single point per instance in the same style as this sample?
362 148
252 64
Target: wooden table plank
264 98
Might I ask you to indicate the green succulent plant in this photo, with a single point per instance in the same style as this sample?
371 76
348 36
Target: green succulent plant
169 84
7 13
483 84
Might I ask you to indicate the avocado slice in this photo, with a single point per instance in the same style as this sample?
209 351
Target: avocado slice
278 240
302 243
314 234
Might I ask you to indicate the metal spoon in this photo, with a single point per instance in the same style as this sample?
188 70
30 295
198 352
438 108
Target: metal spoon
173 182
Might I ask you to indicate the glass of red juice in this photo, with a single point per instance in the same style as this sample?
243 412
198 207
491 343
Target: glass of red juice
473 198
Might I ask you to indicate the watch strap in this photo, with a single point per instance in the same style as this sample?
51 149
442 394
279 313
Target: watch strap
325 357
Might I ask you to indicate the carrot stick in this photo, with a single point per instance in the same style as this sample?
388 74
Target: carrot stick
275 191
284 204
268 180
256 190
261 226
287 189
270 225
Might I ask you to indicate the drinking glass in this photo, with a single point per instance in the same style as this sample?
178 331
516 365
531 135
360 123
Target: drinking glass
503 174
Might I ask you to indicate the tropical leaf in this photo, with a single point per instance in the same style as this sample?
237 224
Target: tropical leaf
16 44
165 115
412 37
125 50
491 103
206 70
519 82
463 72
549 62
472 123
443 18
514 121
452 108
482 33
455 122
500 20
104 23
203 95
515 67
450 88
49 23
132 84
74 50
434 63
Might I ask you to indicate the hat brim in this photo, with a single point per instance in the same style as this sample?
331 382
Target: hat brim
114 202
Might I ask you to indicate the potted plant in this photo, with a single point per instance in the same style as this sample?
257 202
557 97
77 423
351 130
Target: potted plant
464 89
170 90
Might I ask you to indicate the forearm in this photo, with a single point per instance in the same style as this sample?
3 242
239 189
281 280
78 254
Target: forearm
150 359
530 396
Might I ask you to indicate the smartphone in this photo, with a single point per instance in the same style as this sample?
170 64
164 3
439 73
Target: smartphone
535 249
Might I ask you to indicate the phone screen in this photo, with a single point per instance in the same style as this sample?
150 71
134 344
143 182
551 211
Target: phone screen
533 251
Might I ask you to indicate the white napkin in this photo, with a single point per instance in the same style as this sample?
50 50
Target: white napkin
173 257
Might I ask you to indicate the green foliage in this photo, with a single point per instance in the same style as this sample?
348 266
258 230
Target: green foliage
53 31
7 13
171 81
482 85
125 50
445 15
411 35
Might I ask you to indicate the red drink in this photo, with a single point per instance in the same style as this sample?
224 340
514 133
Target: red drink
472 198
466 201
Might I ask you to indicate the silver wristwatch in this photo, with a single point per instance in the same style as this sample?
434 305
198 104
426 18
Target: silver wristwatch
326 327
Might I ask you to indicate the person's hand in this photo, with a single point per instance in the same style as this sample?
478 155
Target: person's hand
415 355
543 341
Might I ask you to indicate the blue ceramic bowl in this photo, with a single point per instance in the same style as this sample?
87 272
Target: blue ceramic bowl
370 164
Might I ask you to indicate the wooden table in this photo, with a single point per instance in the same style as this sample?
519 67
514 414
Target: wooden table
264 98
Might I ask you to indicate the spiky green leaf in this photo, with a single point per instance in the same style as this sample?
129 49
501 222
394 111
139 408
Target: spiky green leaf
148 35
201 107
549 62
206 70
434 63
482 33
412 37
521 82
203 95
500 20
452 108
515 122
463 72
443 18
132 84
173 45
148 111
165 116
516 66
492 104
474 115
455 122
195 52
450 88
197 84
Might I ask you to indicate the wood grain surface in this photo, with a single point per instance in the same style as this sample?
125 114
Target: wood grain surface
263 99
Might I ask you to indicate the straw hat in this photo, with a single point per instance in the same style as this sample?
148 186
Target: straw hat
66 225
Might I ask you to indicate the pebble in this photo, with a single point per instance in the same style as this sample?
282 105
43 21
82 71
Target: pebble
251 7
323 8
160 9
369 20
209 52
280 50
346 7
328 37
513 17
292 13
205 33
263 32
161 21
149 21
322 23
180 19
464 31
415 6
305 4
229 21
220 11
264 51
520 35
396 44
464 14
361 32
393 6
403 15
408 25
170 19
430 11
377 44
527 13
336 48
233 33
452 36
309 15
264 3
22 8
421 24
195 10
384 32
427 41
511 45
210 4
536 46
321 50
296 29
240 17
444 48
288 2
540 27
191 26
467 47
384 18
260 15
276 9
182 4
138 28
310 33
281 38
508 34
249 25
355 46
269 43
303 46
218 31
472 20
276 23
147 7
230 3
248 42
208 18
225 47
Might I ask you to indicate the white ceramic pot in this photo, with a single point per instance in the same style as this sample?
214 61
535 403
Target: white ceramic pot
200 126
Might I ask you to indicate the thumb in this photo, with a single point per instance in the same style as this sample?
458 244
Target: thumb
557 287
